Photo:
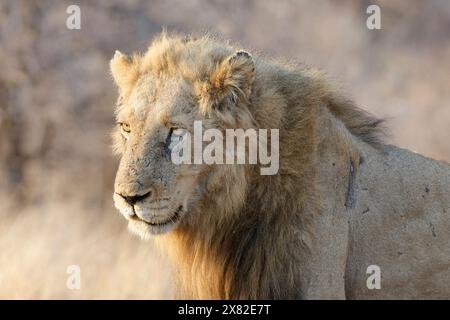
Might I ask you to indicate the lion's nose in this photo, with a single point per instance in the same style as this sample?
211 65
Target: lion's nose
131 200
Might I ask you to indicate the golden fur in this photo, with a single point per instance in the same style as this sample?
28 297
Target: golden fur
243 235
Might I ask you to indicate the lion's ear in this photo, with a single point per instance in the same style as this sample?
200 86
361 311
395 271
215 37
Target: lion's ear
124 69
233 78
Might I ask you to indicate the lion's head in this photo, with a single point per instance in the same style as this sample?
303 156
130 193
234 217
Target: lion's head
161 93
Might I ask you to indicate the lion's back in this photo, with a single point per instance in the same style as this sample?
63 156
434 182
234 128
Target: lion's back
401 223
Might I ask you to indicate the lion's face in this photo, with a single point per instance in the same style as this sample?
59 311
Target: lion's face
156 108
151 191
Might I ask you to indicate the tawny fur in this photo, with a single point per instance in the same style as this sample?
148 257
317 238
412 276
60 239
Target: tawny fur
341 201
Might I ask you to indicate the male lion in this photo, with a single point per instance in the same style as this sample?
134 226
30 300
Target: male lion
341 201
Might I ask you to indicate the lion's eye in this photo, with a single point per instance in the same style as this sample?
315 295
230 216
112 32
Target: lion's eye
125 127
177 132
176 135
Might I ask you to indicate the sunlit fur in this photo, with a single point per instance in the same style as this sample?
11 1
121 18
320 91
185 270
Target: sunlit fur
243 235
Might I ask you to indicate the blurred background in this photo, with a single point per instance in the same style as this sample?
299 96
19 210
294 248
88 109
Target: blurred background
56 112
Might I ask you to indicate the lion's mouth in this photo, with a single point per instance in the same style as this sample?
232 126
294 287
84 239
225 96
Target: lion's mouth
171 220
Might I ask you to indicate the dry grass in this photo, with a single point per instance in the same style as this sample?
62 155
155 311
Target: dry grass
38 244
56 111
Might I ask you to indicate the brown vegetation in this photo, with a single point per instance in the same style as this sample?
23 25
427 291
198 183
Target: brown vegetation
56 102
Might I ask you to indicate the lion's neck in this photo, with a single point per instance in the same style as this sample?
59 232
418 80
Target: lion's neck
252 255
254 252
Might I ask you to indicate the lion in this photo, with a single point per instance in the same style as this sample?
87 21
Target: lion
343 202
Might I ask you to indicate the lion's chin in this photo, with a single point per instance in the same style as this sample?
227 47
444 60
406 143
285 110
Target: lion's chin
146 229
